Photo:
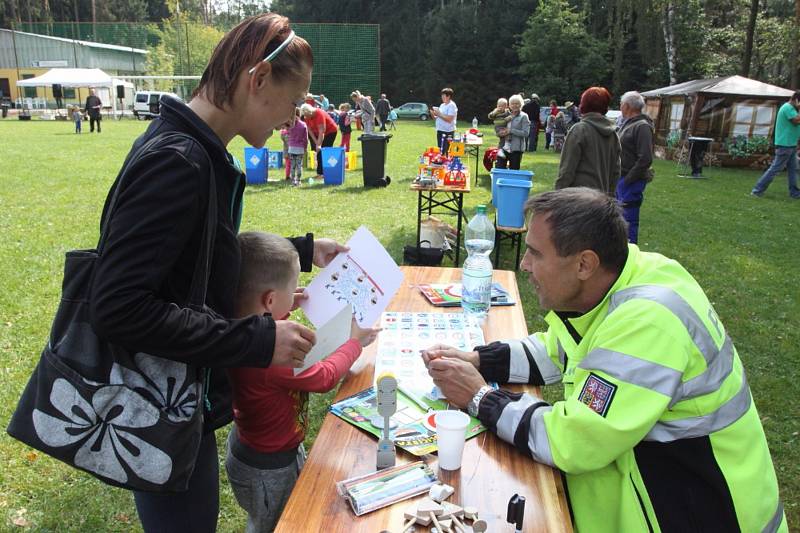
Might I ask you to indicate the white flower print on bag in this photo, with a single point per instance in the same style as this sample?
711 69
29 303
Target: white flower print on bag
164 381
102 425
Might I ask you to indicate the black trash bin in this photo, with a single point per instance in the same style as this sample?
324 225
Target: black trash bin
4 106
373 146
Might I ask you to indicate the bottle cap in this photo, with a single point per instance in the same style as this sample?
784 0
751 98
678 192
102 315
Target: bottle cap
482 209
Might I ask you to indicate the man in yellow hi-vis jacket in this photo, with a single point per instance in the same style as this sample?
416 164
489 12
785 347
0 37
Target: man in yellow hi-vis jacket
658 430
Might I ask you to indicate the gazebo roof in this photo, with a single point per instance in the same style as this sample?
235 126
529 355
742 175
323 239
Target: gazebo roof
733 85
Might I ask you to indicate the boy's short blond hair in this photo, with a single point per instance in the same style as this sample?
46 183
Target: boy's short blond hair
269 262
501 101
344 107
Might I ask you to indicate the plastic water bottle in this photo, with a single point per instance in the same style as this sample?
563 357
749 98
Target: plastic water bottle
476 276
475 123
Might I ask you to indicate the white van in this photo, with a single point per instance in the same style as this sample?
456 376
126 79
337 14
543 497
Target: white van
145 103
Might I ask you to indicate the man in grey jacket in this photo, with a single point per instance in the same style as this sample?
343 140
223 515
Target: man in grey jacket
636 138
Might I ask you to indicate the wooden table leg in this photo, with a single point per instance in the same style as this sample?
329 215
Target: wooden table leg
459 197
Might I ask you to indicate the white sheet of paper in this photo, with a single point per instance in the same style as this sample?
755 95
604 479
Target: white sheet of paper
329 337
365 277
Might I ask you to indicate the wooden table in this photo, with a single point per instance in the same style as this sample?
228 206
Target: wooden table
446 197
492 470
473 147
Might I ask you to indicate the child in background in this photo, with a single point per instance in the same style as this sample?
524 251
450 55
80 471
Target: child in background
392 119
296 141
345 125
285 139
77 117
265 447
559 131
500 117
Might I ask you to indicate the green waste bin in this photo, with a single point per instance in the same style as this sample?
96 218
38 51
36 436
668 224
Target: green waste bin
373 148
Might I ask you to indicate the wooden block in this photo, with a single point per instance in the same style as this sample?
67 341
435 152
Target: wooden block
447 525
426 506
471 513
453 510
440 492
410 512
479 526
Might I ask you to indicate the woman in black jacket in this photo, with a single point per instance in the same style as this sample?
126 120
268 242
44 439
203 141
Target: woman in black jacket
257 75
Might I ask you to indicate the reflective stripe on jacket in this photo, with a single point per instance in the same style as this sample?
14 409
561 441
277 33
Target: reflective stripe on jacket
658 430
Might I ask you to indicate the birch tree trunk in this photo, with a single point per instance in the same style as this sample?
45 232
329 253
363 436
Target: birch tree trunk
669 40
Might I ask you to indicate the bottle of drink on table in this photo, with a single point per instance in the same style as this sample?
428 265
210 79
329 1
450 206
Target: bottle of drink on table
476 278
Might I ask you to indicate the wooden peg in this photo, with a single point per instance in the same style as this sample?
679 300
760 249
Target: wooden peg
454 512
480 526
471 513
435 521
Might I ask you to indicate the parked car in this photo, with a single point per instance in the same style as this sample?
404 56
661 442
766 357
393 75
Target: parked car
145 103
413 110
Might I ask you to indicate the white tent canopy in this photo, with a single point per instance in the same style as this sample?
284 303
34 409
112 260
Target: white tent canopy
76 77
69 77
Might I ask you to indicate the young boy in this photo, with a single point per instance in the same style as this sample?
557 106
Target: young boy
500 117
296 143
77 117
265 447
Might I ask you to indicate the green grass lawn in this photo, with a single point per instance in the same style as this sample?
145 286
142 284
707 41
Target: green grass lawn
742 250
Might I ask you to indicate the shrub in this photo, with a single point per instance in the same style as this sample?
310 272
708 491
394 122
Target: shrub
744 146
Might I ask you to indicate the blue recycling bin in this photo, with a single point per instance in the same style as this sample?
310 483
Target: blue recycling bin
255 164
275 159
505 173
511 197
333 165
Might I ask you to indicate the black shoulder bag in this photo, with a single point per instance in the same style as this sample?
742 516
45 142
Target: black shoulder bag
131 419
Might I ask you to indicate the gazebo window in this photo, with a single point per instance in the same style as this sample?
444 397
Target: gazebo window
675 116
750 119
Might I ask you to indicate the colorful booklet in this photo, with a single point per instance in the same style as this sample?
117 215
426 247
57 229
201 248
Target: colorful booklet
449 294
413 425
382 488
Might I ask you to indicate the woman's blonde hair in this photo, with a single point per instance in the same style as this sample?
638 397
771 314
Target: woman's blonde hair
516 98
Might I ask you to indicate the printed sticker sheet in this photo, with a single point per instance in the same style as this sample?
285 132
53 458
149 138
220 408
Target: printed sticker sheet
405 335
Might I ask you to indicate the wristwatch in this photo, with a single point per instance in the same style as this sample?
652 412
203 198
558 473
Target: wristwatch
475 402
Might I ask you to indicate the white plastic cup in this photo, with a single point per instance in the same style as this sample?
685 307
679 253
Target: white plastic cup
451 431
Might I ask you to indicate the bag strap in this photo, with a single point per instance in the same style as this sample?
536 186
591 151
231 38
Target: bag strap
199 285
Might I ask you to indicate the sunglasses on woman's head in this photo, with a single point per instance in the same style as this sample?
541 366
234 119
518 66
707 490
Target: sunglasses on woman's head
272 55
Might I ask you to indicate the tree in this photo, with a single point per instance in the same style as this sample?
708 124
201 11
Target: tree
559 55
748 45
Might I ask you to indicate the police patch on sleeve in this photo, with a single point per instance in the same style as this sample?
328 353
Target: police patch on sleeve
597 394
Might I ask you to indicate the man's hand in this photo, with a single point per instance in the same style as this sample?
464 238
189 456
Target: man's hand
325 250
299 297
458 379
292 343
442 350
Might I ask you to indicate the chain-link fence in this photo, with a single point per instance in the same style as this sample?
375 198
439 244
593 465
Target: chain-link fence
346 56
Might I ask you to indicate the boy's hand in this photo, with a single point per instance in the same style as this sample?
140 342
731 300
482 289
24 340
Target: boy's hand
292 342
365 337
299 296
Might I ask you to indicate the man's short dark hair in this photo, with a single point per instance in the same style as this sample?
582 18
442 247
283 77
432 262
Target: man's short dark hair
796 96
448 91
584 219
